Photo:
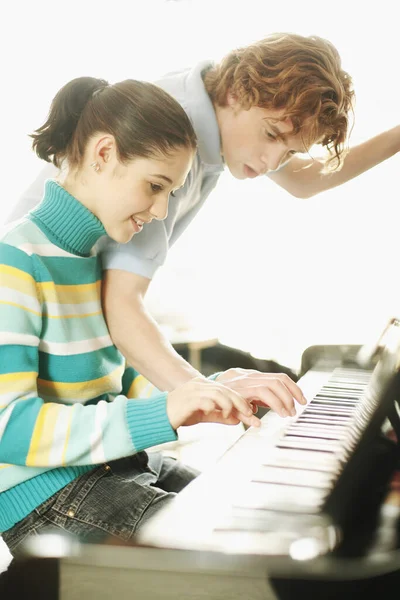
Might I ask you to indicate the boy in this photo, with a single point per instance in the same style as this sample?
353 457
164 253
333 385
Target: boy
255 112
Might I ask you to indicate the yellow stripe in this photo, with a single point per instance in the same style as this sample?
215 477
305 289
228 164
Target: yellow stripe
3 466
77 316
14 272
84 390
43 434
37 435
137 386
70 294
30 310
17 283
16 279
18 382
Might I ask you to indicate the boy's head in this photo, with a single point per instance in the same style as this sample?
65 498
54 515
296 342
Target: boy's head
277 97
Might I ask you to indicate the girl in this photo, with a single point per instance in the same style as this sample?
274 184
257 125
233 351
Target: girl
72 437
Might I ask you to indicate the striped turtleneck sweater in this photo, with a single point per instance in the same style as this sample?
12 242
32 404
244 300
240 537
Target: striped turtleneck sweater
66 399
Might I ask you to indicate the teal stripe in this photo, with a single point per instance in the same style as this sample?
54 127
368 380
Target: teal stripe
74 329
15 320
79 367
18 359
15 258
148 422
17 436
64 270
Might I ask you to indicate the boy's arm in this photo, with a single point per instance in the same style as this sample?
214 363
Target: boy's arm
306 182
137 335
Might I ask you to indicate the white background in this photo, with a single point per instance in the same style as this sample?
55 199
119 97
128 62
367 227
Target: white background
272 274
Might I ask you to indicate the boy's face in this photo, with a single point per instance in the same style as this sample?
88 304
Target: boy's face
254 141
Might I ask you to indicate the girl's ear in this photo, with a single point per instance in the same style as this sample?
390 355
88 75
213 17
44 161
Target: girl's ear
105 149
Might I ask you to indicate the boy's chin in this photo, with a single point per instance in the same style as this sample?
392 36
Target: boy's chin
236 172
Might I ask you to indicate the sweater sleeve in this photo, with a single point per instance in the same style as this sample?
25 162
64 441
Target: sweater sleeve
34 432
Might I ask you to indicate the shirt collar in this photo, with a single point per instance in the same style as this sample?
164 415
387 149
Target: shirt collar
203 116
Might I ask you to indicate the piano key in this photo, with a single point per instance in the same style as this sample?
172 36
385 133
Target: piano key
309 444
302 459
264 520
292 476
313 433
280 497
335 422
326 410
342 405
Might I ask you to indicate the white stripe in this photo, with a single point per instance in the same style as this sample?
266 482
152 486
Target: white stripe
148 390
6 399
46 250
54 309
61 401
5 418
22 339
96 438
59 435
79 347
10 227
12 295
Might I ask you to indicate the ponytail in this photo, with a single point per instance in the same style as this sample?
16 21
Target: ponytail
51 140
143 119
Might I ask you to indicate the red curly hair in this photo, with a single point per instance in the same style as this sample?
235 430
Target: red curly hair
301 75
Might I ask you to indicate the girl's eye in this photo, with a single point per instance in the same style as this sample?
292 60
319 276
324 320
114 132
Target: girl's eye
155 187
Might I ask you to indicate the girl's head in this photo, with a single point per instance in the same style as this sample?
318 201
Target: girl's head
126 147
293 83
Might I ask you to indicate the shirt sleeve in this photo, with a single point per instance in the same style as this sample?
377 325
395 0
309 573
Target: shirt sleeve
148 250
142 255
37 433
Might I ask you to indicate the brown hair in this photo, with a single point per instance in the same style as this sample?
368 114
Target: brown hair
143 119
302 75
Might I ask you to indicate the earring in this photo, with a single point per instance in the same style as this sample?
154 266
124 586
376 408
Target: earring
95 166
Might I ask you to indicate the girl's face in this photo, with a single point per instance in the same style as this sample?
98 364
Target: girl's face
131 195
127 196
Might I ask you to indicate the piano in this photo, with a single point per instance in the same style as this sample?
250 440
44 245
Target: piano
302 487
300 507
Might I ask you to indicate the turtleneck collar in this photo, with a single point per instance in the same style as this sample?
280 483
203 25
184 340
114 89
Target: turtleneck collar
66 222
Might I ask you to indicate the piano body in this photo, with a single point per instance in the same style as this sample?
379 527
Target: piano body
298 487
306 497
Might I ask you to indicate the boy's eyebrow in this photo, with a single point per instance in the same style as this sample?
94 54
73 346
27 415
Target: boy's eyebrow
284 137
167 179
279 134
